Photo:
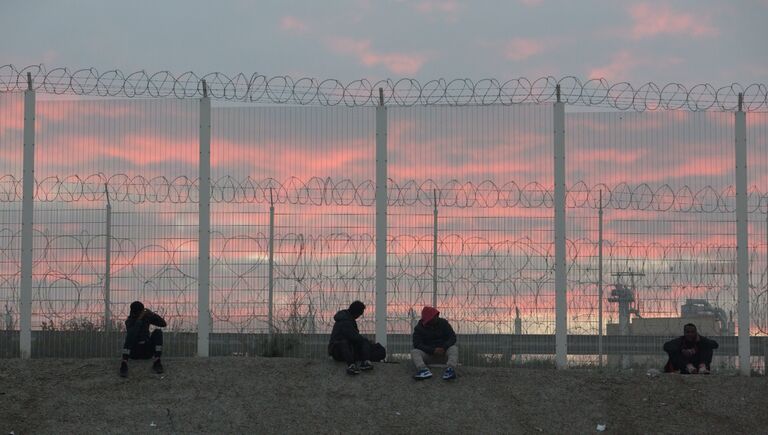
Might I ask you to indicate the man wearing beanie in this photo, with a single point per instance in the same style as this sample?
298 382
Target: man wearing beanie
434 342
346 343
139 344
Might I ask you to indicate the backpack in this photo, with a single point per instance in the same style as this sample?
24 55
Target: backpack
378 353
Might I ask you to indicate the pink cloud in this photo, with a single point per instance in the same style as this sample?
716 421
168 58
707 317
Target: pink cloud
449 8
522 48
617 69
650 21
397 63
293 25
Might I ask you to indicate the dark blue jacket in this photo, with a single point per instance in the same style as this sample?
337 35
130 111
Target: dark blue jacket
437 334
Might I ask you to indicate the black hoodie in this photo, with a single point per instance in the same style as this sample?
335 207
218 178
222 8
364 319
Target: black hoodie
345 328
137 327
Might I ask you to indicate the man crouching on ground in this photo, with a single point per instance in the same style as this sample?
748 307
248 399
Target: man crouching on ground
346 343
139 344
434 341
691 353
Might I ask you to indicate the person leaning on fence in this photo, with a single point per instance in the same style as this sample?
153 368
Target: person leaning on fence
434 342
139 343
346 343
691 353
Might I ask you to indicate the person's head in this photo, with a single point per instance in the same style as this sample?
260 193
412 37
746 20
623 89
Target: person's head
136 308
429 315
689 332
356 309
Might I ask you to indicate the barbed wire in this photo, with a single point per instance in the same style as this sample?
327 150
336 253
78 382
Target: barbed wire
138 189
474 273
282 89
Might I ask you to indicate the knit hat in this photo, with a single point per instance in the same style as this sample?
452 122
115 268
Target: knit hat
427 314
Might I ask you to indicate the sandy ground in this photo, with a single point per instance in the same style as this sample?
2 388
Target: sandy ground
283 395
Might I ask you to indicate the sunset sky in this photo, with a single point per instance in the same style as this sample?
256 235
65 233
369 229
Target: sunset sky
491 165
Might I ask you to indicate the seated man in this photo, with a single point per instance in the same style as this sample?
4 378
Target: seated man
434 341
346 343
691 353
139 344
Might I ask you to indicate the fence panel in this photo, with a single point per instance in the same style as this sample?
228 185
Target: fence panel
667 184
144 154
11 167
490 172
316 165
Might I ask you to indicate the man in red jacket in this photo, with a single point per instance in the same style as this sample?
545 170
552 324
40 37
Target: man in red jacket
434 342
690 353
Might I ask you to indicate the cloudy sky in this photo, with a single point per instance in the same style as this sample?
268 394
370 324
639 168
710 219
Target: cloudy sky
474 148
637 41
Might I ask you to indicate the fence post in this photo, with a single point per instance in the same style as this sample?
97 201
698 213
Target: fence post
600 281
271 270
561 301
434 251
107 263
204 228
27 222
742 237
381 221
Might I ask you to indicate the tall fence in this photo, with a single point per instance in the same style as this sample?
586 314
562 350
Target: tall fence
648 215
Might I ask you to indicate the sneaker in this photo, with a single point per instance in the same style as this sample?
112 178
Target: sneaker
123 369
353 370
157 366
703 370
422 374
449 374
366 365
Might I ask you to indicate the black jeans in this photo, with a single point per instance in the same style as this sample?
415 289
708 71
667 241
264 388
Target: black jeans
350 352
143 349
678 361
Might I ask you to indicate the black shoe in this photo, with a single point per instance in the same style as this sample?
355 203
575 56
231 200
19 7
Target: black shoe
157 366
366 365
123 369
353 370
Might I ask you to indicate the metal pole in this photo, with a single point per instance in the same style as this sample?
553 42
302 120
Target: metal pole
600 281
561 301
434 252
518 331
204 244
107 263
742 238
271 271
381 220
27 222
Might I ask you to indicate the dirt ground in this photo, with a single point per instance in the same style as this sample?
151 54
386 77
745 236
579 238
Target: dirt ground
283 395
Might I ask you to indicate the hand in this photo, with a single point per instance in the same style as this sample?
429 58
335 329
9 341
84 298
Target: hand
690 368
689 352
439 351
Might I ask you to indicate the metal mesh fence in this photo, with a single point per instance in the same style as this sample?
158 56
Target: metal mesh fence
315 167
11 135
116 219
663 182
100 161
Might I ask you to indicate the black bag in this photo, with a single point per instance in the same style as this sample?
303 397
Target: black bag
378 353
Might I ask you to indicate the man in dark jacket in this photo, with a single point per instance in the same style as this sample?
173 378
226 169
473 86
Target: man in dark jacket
139 343
434 341
691 353
346 343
